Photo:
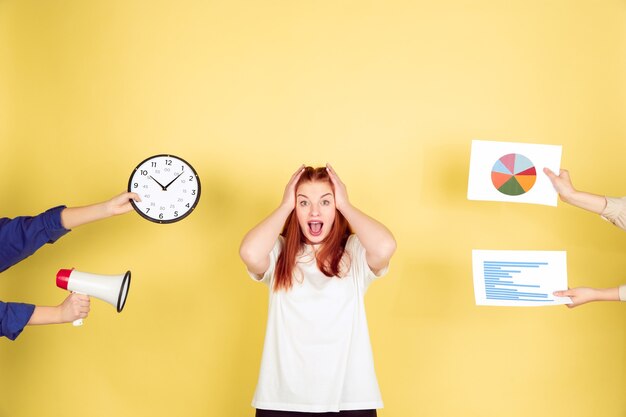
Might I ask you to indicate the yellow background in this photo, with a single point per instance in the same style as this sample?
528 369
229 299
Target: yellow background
391 93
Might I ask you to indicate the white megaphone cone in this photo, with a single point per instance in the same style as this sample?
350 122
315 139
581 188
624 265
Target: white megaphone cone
110 288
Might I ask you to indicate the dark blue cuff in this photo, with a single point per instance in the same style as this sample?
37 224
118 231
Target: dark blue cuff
13 318
53 225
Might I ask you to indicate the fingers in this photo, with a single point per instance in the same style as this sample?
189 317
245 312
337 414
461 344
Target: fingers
549 173
565 293
125 196
80 305
330 170
134 196
299 170
563 173
332 174
296 175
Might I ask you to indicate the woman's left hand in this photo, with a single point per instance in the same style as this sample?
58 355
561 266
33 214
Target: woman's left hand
341 194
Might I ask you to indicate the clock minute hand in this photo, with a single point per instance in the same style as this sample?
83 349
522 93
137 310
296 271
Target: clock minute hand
161 185
170 183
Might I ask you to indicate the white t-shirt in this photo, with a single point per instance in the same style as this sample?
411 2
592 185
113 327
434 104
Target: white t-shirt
317 355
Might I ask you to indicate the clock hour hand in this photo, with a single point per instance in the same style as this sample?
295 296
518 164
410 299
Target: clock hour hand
170 183
160 185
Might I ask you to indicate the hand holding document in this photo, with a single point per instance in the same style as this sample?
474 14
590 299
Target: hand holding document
512 172
519 278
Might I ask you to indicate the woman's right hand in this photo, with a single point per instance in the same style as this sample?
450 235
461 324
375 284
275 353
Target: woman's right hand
289 197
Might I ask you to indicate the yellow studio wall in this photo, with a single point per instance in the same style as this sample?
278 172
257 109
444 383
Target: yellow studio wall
391 93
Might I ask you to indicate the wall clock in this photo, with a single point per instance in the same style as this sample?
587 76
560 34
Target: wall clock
169 188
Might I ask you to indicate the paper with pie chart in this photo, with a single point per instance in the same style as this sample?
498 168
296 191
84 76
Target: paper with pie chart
512 172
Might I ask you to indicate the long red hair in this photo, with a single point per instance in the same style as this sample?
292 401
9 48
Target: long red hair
329 256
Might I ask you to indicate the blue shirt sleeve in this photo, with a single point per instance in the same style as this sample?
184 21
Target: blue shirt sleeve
19 238
13 318
22 236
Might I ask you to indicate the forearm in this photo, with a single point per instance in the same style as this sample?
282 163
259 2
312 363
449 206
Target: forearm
259 241
377 240
607 294
587 201
76 216
72 217
45 315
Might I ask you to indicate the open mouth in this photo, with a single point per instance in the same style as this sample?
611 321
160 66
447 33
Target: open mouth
315 228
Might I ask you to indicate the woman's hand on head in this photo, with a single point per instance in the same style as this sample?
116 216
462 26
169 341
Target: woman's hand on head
289 197
341 193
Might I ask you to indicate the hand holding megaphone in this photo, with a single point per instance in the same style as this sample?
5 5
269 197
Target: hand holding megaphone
75 305
110 288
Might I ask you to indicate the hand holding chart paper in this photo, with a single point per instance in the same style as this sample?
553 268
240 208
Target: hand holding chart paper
519 278
512 172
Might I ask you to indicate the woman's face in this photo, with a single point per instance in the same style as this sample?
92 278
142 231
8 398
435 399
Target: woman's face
315 210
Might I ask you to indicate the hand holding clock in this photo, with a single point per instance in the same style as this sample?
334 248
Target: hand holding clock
72 217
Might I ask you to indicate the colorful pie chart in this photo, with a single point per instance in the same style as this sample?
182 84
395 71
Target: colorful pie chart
513 174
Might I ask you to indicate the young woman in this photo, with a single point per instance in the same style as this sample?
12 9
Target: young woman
22 236
610 208
318 254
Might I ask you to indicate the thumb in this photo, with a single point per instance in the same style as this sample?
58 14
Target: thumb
565 293
549 173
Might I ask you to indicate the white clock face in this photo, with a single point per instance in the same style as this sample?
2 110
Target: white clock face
168 186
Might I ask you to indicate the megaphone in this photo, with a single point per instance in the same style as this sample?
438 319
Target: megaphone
110 288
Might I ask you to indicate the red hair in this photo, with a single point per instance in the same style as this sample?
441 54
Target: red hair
332 249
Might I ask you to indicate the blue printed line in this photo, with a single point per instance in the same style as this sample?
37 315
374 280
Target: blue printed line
519 294
519 299
519 285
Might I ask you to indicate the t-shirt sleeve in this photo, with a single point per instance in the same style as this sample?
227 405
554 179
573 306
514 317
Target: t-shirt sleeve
13 318
22 236
358 262
622 292
615 211
268 276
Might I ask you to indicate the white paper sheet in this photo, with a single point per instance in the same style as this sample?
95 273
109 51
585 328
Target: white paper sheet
512 172
519 278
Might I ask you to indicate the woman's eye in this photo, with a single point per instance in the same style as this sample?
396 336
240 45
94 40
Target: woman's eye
303 203
325 202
